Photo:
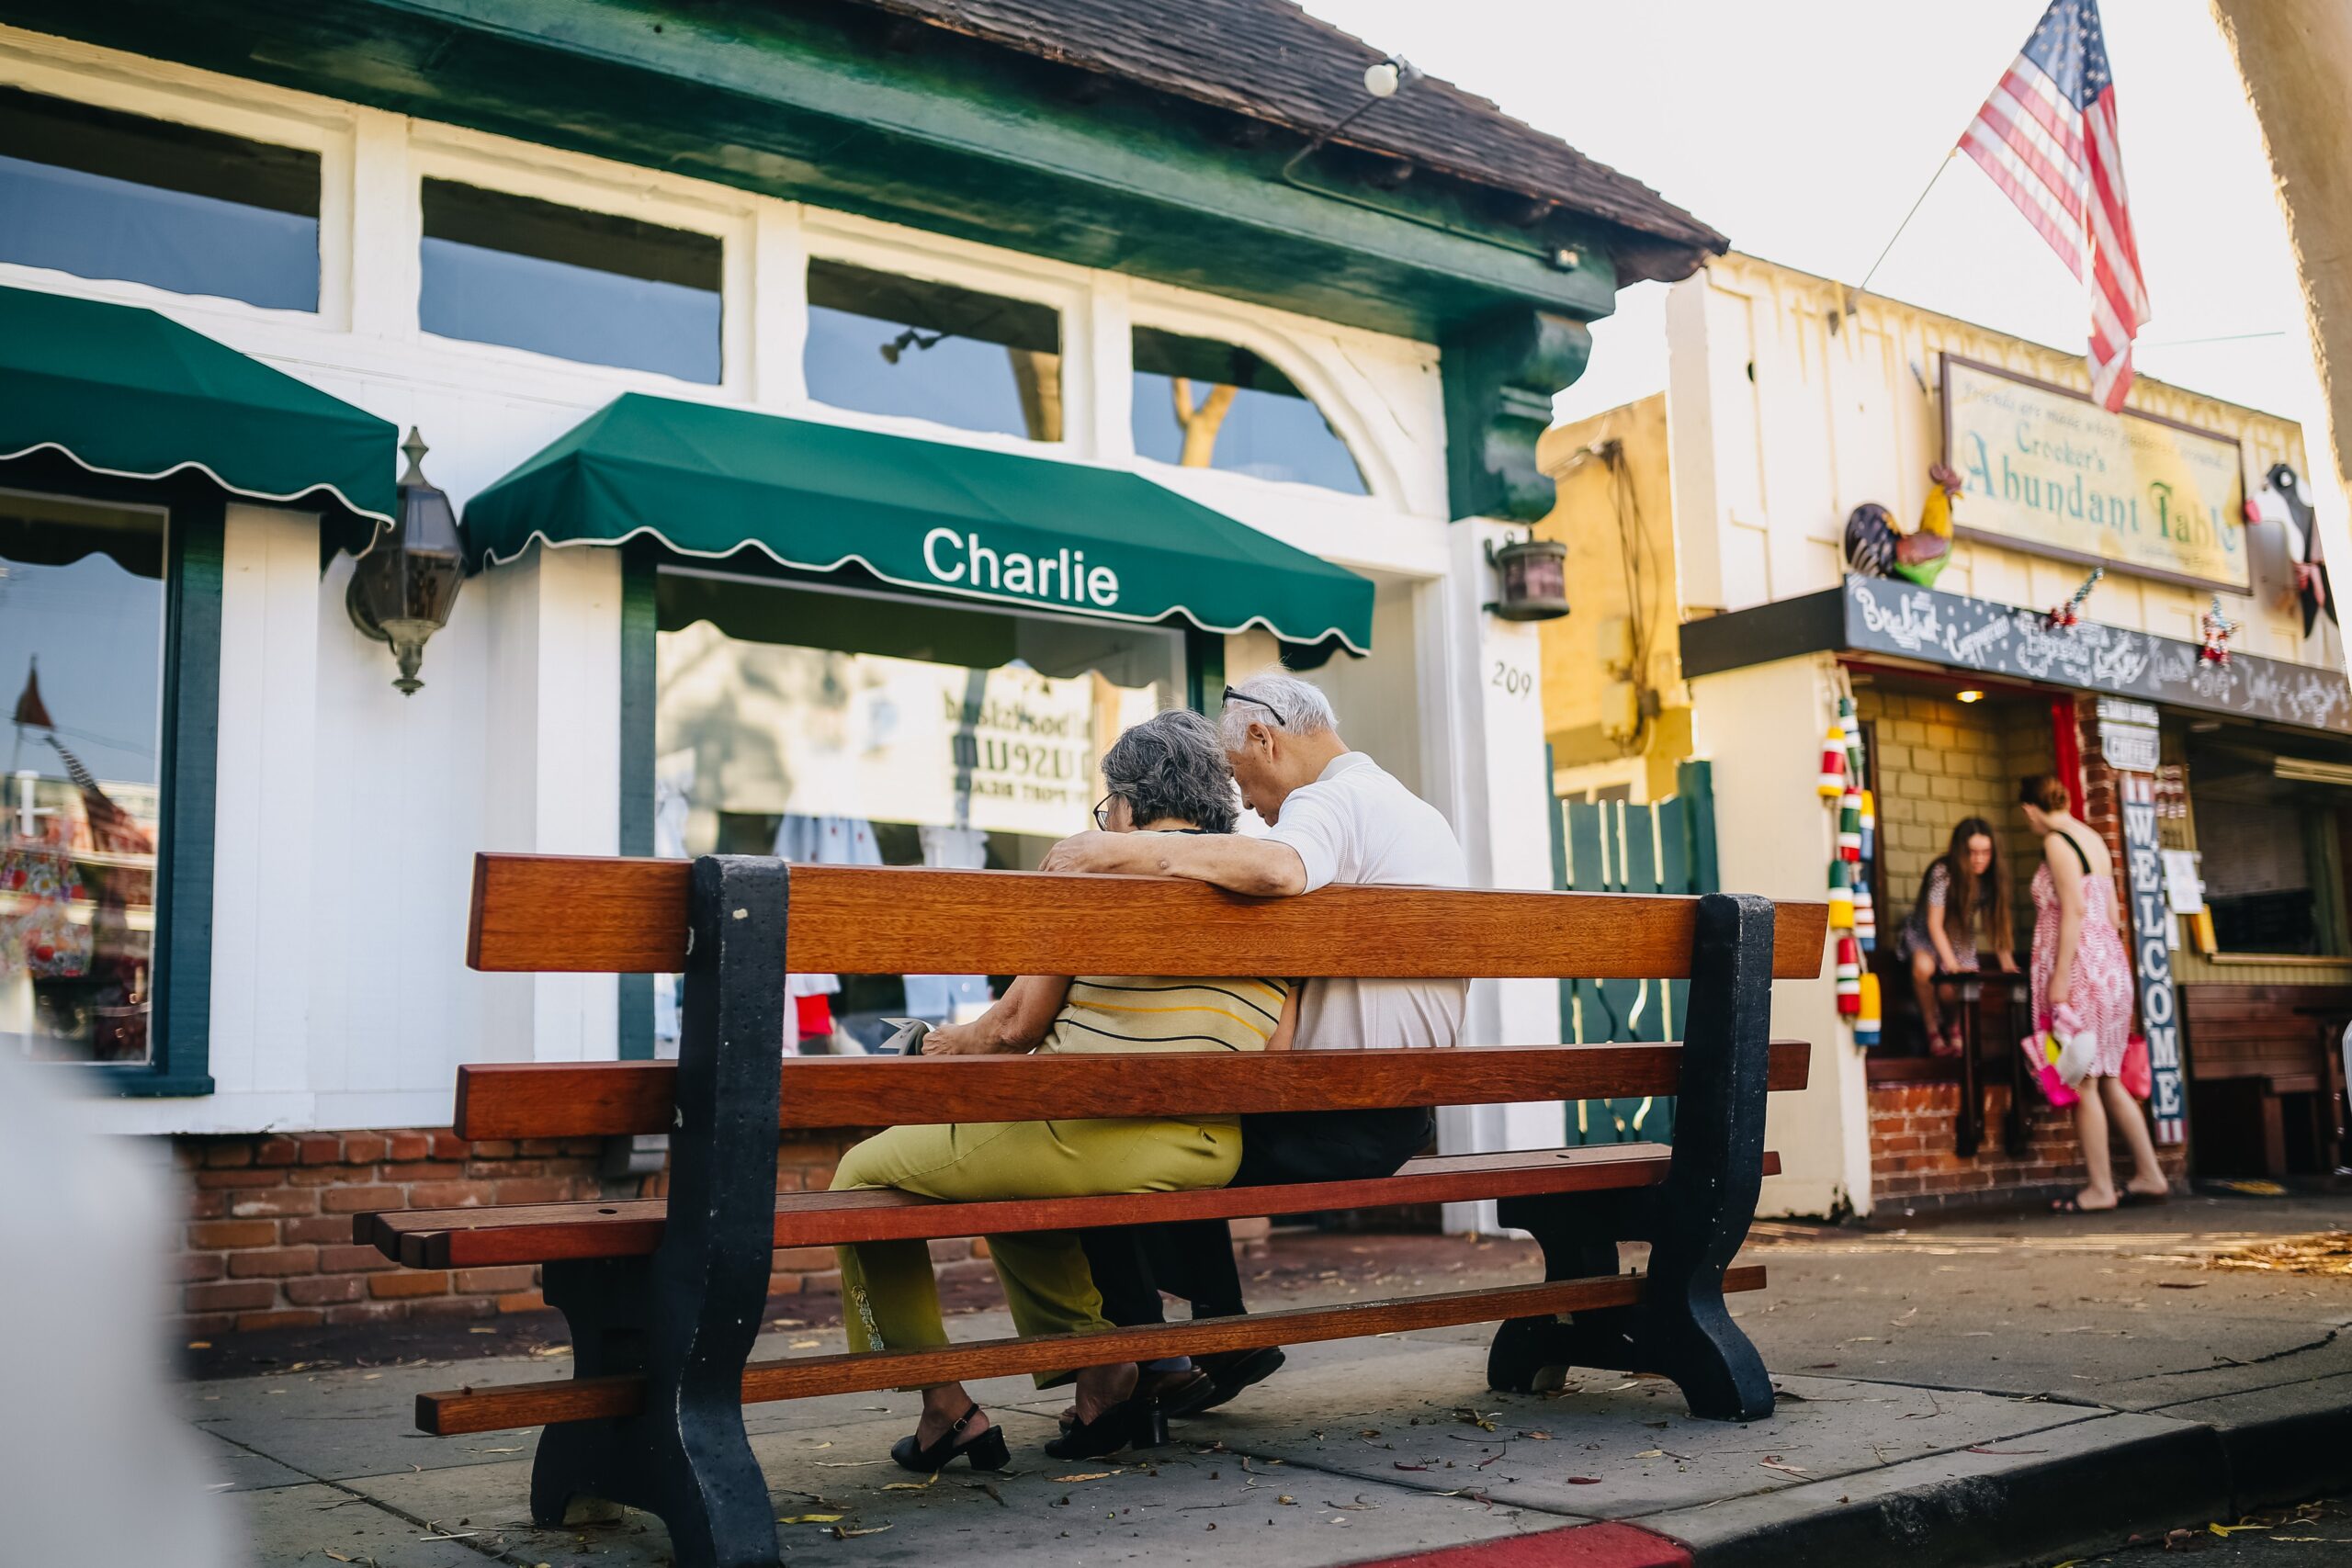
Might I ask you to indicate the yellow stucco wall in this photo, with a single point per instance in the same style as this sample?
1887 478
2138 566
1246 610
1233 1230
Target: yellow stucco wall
1617 520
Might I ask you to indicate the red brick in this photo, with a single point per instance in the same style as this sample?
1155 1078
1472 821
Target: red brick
502 1170
187 1154
448 1146
422 1170
188 1267
228 1154
229 1295
331 1229
793 1258
828 1284
352 1260
584 1149
783 1284
365 1311
211 1180
231 1233
451 1194
206 1206
494 1148
322 1148
537 1190
451 1306
494 1281
276 1151
315 1176
364 1149
523 1301
249 1321
274 1263
361 1200
410 1282
408 1146
276 1203
326 1290
201 1327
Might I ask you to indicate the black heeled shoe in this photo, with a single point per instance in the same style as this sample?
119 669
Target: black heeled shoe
1136 1421
986 1452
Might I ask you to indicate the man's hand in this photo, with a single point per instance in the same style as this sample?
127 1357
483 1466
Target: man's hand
1090 852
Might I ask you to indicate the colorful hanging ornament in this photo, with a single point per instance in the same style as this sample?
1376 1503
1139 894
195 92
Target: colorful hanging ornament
1870 826
1850 977
1841 898
2217 630
2069 615
1851 722
1865 915
1849 826
1866 1015
1832 783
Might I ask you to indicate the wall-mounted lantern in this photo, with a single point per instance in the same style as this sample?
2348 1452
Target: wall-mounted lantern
402 588
1534 574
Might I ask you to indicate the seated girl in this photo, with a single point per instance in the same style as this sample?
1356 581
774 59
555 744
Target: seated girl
1963 898
1168 775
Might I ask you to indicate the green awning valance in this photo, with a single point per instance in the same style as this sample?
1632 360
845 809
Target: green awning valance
126 391
995 525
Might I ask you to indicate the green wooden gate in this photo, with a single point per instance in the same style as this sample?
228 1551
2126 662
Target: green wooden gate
1613 846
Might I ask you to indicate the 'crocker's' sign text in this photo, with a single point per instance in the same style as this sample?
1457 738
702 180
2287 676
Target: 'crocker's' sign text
1062 578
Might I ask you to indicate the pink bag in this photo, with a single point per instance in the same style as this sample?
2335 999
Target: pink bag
2041 1059
2139 1081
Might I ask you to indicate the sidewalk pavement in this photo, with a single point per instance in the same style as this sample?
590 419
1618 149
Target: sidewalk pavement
1981 1392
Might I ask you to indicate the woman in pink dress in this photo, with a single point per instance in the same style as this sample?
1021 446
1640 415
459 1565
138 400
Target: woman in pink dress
2082 980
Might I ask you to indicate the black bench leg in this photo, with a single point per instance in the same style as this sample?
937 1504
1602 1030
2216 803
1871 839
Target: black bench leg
1704 1210
1579 1236
686 1318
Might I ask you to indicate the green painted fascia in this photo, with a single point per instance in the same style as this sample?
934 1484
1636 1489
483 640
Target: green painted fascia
947 136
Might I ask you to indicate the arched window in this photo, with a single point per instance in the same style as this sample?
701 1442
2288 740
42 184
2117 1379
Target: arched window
1202 403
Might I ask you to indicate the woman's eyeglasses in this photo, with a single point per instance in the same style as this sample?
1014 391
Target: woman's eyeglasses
1102 811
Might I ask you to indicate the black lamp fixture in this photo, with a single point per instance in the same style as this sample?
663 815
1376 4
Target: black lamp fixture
402 588
1534 574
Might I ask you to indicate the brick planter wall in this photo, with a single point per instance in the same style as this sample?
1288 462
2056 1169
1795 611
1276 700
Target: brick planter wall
1913 1166
267 1240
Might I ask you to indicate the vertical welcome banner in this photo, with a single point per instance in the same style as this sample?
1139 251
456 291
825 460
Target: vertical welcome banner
2151 953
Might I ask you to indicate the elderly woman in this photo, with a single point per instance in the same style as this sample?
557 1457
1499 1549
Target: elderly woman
1167 774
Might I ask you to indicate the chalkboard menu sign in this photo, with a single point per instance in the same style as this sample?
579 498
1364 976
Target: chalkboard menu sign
1887 616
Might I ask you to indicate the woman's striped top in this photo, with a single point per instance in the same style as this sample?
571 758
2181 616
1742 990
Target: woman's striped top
1109 1012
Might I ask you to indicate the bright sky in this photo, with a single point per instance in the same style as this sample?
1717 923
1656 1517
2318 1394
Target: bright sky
1805 133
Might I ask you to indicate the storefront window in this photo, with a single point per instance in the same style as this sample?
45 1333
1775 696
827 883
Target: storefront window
2270 851
1200 403
867 728
103 194
576 285
882 343
82 618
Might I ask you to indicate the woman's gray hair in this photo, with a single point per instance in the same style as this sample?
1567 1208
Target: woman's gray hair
1277 701
1174 765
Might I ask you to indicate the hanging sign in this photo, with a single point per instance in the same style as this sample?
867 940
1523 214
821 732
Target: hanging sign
2050 471
2151 953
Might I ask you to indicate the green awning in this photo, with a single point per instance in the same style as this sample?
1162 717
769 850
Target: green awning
995 525
122 391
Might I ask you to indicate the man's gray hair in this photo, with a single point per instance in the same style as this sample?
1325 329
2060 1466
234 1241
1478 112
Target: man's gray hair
1172 765
1277 701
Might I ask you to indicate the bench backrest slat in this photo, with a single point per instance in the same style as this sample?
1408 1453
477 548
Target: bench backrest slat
555 914
562 1099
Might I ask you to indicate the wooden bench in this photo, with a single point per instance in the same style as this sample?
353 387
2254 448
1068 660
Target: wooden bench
664 1297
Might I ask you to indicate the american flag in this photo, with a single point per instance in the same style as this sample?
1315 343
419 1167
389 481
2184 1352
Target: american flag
2047 136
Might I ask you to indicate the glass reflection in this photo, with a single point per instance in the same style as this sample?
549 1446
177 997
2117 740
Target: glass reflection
81 642
1200 403
103 194
883 343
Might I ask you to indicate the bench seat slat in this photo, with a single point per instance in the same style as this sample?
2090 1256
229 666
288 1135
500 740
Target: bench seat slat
554 913
543 1233
493 1409
557 1100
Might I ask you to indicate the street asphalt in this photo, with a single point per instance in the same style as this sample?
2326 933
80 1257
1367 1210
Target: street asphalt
1970 1394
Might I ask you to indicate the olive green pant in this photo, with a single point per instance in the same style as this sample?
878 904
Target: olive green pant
890 1299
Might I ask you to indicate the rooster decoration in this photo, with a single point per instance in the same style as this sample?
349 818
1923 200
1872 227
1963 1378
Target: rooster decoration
1874 547
2282 500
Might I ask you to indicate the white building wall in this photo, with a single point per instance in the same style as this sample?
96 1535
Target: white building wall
349 815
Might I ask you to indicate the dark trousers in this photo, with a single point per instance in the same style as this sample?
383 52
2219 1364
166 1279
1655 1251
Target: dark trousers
1192 1260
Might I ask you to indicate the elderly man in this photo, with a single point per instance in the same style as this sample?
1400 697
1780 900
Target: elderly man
1334 816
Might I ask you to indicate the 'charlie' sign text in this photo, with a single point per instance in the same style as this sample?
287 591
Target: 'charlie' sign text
2049 470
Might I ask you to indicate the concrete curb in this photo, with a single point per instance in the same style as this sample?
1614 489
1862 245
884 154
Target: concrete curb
1604 1545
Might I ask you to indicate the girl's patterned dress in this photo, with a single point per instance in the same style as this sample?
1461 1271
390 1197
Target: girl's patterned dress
2102 982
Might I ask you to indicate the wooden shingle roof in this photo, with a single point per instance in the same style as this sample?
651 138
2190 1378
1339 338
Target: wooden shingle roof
1269 61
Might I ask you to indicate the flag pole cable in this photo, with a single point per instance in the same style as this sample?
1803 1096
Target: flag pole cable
1854 294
